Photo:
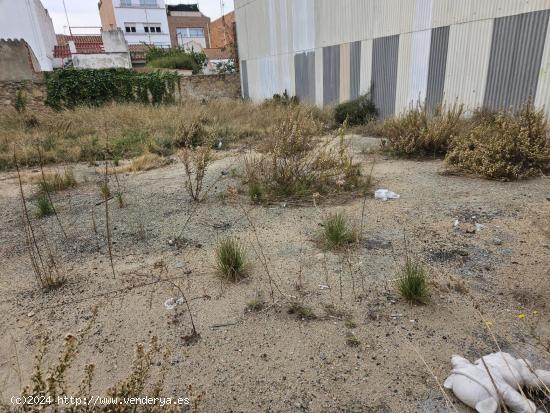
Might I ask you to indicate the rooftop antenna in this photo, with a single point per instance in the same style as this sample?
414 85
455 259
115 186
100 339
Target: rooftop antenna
67 17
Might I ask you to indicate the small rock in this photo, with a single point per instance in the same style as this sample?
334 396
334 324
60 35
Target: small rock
497 241
171 242
31 314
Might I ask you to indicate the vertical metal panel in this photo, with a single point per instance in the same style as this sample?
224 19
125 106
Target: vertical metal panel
355 70
385 54
345 60
438 64
319 76
304 70
366 67
516 54
331 74
542 99
468 63
244 80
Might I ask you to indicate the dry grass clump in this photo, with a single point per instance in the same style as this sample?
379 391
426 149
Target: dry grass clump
52 182
132 129
504 145
418 132
145 162
295 164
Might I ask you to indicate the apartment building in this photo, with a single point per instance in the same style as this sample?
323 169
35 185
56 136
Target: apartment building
189 28
142 21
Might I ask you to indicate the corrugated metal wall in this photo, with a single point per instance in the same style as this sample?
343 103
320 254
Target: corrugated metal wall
385 57
331 75
516 55
492 52
439 46
304 73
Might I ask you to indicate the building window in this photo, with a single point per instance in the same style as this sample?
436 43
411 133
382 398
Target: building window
152 28
187 32
130 28
148 3
196 32
125 3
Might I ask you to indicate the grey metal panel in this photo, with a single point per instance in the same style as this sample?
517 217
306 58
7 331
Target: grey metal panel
437 67
304 75
516 55
331 74
385 57
244 79
355 70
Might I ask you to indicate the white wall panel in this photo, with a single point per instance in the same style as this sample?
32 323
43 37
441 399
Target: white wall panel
242 32
366 66
303 25
404 73
468 63
542 98
420 65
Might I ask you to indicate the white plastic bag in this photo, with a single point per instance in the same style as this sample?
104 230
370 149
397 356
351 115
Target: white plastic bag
385 194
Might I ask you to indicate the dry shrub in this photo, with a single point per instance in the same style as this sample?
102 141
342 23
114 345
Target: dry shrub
504 145
50 385
195 162
295 164
144 162
419 132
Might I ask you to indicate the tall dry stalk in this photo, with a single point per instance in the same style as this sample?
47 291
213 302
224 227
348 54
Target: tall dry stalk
107 220
42 271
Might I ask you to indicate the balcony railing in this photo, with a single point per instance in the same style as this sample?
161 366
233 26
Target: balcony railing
140 4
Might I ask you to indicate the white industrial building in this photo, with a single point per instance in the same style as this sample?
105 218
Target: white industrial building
30 21
490 53
142 21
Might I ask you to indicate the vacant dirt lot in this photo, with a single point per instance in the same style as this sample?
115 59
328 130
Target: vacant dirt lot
270 360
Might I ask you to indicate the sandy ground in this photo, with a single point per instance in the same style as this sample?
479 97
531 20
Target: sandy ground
272 361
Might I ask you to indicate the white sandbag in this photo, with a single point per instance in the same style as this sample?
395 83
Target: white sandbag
480 385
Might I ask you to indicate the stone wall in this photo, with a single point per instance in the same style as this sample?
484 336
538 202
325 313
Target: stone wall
210 86
192 87
34 92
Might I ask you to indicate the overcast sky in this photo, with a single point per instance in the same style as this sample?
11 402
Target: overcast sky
85 12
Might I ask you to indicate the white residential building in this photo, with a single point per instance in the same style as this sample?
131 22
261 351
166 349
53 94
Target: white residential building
30 21
142 21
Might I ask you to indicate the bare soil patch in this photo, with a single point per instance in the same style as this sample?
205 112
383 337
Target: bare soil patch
273 360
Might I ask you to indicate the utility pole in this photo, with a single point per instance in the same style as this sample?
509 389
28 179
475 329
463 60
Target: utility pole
67 17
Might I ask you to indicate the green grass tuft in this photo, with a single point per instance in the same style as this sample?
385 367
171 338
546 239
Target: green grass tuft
44 207
337 231
412 283
230 259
